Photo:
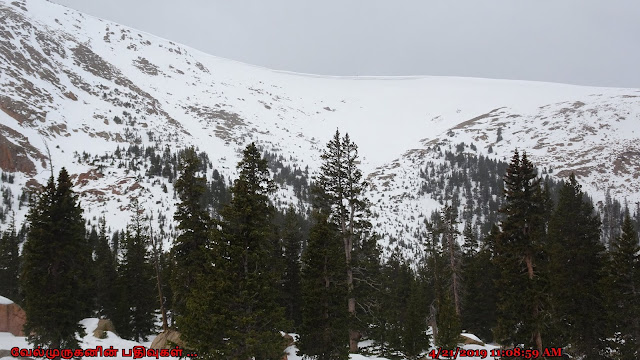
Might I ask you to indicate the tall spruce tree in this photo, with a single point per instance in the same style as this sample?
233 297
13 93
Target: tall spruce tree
191 246
576 264
343 193
56 258
136 278
106 277
623 287
324 330
479 274
254 307
519 256
292 241
10 264
198 283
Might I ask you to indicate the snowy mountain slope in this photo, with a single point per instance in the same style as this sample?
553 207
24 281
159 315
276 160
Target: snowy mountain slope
77 84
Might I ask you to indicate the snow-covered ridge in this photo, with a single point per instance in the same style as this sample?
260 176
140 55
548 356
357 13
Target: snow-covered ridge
81 84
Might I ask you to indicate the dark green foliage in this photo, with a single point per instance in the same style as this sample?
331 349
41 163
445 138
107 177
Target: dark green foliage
10 264
479 274
190 247
254 307
519 256
623 288
136 278
576 267
56 256
292 241
448 321
414 336
324 331
106 277
341 192
388 327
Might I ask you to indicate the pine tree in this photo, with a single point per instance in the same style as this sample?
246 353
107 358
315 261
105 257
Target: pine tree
136 281
623 287
191 245
54 276
106 276
519 256
324 331
448 322
292 240
254 306
576 265
342 192
10 264
479 274
195 265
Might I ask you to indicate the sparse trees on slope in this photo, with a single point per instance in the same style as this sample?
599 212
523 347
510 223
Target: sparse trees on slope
56 258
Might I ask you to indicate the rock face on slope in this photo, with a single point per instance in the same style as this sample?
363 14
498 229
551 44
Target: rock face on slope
12 319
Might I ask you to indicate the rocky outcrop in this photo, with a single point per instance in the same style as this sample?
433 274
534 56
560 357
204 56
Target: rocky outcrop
12 319
167 340
104 325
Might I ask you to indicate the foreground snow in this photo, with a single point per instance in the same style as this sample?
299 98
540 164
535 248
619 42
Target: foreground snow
8 341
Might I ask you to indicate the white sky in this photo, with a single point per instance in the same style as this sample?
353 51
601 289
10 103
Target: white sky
585 42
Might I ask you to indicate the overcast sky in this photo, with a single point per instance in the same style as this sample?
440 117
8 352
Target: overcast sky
585 42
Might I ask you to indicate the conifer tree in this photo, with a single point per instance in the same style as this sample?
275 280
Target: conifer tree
479 274
136 279
448 322
343 193
576 267
106 277
623 287
10 264
54 277
292 241
519 256
254 308
198 282
324 331
190 247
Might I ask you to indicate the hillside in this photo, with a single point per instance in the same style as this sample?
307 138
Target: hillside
81 89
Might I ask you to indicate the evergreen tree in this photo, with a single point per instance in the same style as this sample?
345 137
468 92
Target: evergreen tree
254 307
414 336
292 240
56 258
479 274
190 247
342 193
10 264
623 287
519 256
136 281
106 277
324 329
576 265
448 322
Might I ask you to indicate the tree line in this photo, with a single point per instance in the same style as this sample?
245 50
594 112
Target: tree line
240 272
